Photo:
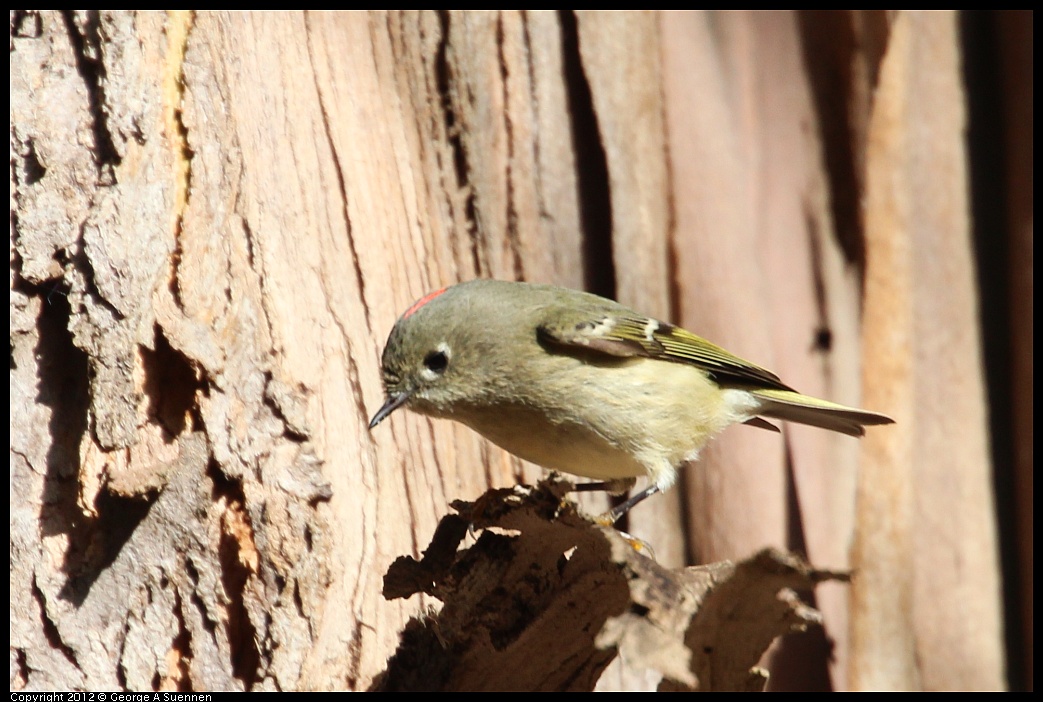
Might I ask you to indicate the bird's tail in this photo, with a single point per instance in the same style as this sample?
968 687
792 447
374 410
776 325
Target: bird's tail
794 407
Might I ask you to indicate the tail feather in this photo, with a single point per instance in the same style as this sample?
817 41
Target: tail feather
794 407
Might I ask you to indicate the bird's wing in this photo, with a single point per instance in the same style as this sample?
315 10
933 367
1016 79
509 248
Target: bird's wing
626 335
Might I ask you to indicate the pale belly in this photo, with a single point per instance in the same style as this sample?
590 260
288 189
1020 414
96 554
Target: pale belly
626 421
568 447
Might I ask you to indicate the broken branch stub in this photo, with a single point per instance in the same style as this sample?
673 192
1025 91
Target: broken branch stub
544 600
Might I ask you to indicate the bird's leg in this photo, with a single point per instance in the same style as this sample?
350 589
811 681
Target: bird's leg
613 515
612 487
617 487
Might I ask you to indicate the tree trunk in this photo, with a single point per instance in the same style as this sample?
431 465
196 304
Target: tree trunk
217 218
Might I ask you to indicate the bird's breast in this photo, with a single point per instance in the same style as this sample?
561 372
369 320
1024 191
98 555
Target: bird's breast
627 419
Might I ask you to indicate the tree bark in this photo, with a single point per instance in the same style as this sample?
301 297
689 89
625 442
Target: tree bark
217 217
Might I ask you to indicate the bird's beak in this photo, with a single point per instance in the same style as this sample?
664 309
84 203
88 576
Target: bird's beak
392 404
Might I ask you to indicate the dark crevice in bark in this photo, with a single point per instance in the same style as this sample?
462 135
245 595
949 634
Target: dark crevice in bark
87 48
50 630
453 129
76 257
235 574
513 237
182 644
592 167
989 122
64 375
209 622
822 339
170 384
32 170
185 174
830 48
26 24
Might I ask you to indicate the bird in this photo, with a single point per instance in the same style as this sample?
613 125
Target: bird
581 384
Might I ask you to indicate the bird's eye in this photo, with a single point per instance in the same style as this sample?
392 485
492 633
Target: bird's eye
436 362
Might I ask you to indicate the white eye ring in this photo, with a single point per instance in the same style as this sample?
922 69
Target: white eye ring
436 362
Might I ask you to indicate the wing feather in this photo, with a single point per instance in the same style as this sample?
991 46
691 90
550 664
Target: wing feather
629 335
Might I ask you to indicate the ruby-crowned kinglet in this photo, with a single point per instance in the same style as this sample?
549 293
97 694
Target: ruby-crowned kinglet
581 384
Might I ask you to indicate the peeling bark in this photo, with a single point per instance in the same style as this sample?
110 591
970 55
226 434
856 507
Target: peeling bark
544 600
